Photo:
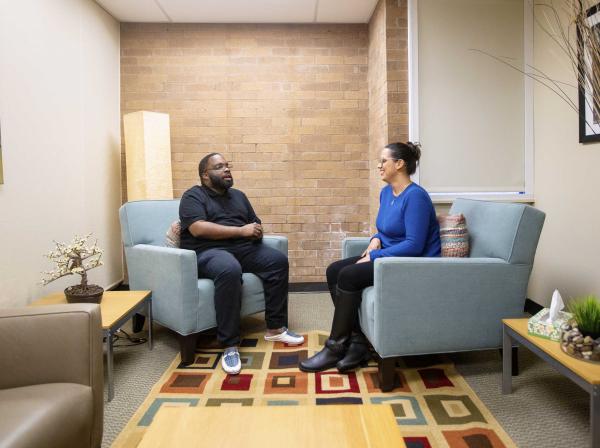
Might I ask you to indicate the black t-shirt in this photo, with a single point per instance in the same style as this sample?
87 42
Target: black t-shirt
200 203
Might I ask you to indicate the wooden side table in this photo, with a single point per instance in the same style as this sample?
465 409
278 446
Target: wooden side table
116 308
586 375
350 426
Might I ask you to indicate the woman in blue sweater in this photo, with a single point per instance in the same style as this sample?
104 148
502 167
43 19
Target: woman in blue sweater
406 227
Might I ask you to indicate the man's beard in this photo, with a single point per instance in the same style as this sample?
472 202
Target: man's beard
220 183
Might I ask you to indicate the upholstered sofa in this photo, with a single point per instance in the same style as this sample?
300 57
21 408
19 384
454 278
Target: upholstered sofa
51 381
180 300
438 305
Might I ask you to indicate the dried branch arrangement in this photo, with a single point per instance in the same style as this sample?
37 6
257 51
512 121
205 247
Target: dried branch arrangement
566 22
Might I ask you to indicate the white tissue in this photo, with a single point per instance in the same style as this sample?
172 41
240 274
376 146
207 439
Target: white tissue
556 305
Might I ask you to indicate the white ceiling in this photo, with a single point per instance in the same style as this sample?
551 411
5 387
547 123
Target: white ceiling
240 11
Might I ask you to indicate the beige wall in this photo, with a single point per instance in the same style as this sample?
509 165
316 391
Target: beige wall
286 103
59 111
566 188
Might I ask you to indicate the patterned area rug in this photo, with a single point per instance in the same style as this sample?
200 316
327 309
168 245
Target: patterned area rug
432 403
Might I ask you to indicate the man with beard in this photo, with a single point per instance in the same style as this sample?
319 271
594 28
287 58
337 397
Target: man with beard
219 223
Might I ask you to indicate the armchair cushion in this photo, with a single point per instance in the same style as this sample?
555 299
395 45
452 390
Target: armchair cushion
52 394
501 230
436 305
354 246
48 415
172 276
144 222
276 242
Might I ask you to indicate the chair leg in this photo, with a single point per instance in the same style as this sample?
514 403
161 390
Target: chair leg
187 347
515 360
387 374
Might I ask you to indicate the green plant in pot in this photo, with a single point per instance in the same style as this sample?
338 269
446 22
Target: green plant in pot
76 258
586 312
581 337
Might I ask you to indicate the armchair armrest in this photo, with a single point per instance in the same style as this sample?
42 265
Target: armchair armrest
52 344
354 246
458 302
172 276
276 242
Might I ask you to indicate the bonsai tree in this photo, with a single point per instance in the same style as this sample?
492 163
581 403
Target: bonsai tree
75 258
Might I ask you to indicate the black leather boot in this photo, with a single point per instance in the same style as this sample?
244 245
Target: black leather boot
344 318
333 292
358 353
332 352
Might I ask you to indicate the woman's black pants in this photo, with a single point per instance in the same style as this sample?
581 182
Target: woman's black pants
352 278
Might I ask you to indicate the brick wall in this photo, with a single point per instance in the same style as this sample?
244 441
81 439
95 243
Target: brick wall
397 69
388 87
378 103
287 104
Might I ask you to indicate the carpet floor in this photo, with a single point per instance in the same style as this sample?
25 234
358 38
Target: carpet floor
544 410
432 403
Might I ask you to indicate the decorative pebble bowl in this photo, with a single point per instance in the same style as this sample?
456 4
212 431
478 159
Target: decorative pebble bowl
573 343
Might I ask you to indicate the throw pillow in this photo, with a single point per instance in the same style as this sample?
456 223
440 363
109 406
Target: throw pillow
173 233
454 235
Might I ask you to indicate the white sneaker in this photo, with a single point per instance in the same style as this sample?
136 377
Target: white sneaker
231 362
286 336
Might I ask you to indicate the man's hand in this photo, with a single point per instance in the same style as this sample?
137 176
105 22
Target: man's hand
364 259
373 245
253 231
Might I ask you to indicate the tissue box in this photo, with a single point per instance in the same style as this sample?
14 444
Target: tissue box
549 330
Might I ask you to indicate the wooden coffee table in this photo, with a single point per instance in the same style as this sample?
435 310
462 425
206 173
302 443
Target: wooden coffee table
116 308
289 426
586 375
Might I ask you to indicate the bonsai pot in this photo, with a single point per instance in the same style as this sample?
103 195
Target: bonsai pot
80 294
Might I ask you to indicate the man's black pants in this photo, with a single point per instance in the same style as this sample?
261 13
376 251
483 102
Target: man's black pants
225 266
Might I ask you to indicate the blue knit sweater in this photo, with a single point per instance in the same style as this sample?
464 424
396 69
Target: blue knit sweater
406 224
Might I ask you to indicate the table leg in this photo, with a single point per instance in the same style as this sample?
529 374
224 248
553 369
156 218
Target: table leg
109 365
506 362
595 415
149 314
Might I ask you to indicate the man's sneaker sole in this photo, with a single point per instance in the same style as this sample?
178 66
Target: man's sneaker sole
277 338
236 372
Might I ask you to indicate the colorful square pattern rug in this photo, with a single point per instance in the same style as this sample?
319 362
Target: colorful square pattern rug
432 403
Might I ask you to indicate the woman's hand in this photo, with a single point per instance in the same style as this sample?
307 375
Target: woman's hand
373 245
364 259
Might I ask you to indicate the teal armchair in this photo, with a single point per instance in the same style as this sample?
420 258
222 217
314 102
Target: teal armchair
439 305
180 300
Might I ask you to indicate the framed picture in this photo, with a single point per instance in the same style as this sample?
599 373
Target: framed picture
589 76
